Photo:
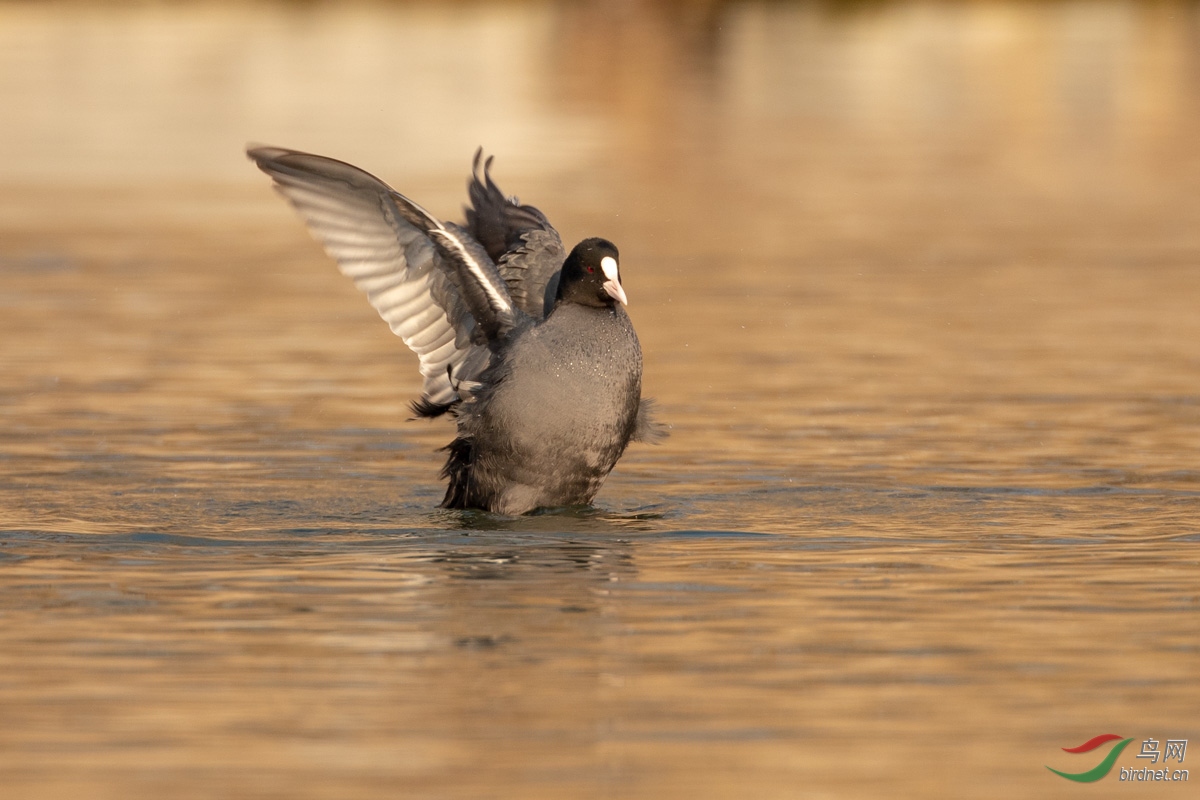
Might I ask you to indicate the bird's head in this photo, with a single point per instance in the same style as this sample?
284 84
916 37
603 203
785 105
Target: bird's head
591 275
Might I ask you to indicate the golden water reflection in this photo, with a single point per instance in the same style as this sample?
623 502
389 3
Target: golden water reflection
916 284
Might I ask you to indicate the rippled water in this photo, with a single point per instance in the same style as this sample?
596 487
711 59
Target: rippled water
917 286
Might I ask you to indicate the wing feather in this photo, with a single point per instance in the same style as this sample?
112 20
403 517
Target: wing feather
528 252
404 275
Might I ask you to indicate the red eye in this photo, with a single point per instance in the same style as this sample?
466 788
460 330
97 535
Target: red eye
591 269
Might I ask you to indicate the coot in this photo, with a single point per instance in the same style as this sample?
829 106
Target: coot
527 346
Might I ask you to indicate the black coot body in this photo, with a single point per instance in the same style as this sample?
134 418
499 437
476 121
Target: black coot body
527 346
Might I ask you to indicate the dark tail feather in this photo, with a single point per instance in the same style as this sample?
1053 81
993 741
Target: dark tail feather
429 409
647 429
458 470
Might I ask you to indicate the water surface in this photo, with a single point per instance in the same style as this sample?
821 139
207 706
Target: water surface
917 289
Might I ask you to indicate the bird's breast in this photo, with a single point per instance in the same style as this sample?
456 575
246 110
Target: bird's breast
576 377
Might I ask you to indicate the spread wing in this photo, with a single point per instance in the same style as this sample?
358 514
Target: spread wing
519 239
435 286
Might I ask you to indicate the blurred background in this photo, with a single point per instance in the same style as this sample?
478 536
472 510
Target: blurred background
916 284
823 205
